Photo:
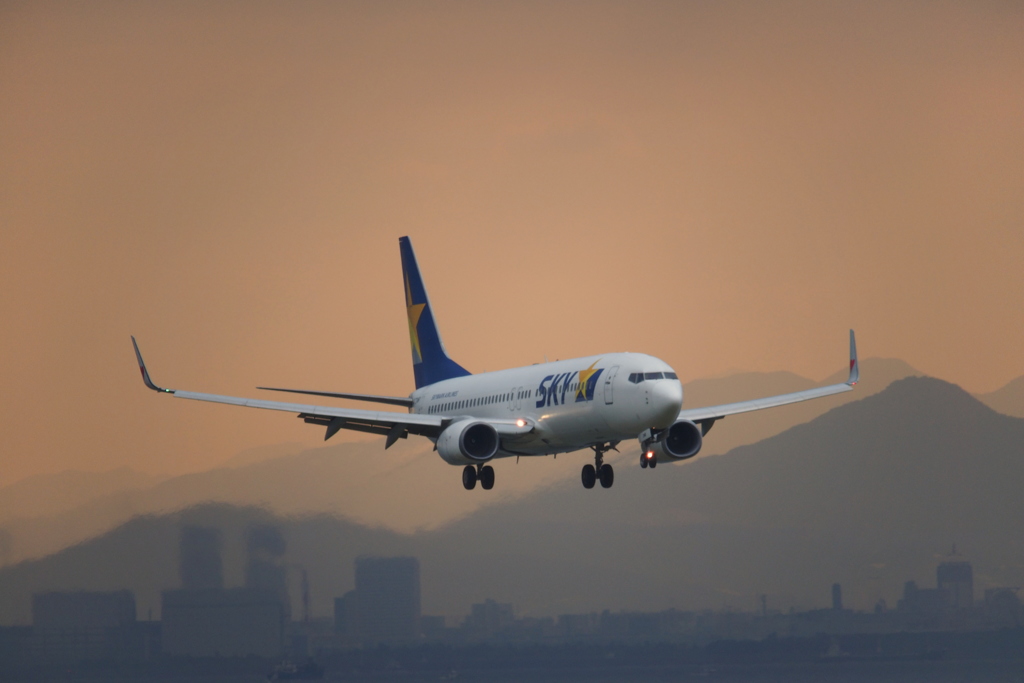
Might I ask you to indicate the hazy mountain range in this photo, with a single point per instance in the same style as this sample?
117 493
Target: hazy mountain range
740 430
43 514
48 494
1008 400
870 494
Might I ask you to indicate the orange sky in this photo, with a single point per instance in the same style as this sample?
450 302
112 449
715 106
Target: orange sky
725 186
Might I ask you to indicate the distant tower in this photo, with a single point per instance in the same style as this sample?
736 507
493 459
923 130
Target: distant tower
956 577
200 562
837 596
305 596
265 568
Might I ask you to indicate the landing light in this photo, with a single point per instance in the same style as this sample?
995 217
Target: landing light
520 422
649 454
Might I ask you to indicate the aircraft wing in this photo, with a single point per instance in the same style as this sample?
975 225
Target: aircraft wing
372 398
386 423
709 414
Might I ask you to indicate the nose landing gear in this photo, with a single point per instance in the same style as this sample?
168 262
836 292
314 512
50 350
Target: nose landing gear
648 458
483 473
600 470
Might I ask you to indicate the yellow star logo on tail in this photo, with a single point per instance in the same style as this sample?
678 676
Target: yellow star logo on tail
414 311
585 375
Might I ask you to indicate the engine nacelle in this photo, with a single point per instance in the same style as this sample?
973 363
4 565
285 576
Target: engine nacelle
467 442
680 441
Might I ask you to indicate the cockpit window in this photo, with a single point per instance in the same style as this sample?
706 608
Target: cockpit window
637 377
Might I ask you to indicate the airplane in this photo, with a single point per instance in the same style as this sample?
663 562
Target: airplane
593 403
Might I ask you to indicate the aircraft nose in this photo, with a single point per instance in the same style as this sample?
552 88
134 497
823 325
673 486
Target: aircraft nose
666 400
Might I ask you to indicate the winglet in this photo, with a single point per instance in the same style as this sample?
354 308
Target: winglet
145 372
854 363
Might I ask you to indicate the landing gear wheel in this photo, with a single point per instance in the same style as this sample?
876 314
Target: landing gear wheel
643 461
487 477
469 477
589 476
653 462
599 470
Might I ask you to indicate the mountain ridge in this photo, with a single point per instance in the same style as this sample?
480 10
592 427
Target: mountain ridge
358 480
867 495
1008 399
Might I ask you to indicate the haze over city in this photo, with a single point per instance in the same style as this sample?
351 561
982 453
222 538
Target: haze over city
729 187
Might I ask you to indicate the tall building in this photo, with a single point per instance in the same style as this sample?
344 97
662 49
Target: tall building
204 619
199 558
923 603
837 597
346 620
956 577
387 599
265 568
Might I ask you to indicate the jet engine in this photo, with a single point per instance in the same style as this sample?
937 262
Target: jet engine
467 443
680 441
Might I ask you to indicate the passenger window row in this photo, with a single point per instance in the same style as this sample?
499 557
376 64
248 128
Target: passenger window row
473 402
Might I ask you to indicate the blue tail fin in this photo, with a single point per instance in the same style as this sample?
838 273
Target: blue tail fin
430 362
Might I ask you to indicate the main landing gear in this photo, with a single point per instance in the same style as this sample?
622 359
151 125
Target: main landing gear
482 473
599 471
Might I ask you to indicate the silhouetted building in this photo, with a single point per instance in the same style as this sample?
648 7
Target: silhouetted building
1002 607
837 596
236 622
956 578
575 625
387 599
346 618
200 562
488 618
433 627
204 620
85 625
265 568
82 609
923 603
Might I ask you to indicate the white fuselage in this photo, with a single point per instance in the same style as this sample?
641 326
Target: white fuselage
571 404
